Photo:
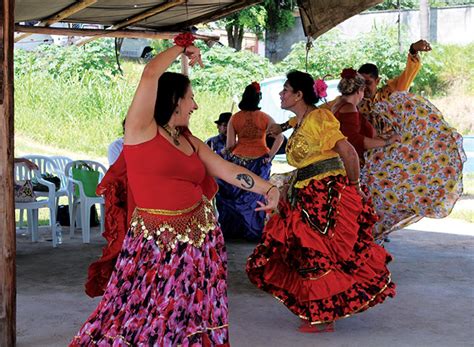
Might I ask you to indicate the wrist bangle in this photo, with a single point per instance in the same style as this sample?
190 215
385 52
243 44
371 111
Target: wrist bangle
285 126
268 191
412 50
354 183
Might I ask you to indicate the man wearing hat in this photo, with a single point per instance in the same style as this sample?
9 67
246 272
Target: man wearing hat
218 143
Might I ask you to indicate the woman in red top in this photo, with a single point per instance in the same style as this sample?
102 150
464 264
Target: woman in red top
168 287
360 133
246 132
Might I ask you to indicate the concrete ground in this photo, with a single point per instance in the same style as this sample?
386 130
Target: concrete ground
433 269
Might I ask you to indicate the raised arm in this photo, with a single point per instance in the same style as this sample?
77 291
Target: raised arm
140 125
405 79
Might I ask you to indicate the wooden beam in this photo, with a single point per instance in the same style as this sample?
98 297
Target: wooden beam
221 13
67 12
7 204
148 34
139 17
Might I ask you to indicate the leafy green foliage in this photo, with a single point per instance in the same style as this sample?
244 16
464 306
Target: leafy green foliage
415 4
279 15
331 53
95 60
228 72
271 15
393 5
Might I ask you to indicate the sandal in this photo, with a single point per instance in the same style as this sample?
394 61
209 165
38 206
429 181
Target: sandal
307 327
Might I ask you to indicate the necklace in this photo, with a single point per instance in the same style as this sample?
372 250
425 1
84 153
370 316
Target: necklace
174 134
307 110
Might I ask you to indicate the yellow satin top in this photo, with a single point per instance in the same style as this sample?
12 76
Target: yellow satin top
314 141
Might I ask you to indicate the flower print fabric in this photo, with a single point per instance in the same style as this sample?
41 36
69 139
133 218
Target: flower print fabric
160 297
422 175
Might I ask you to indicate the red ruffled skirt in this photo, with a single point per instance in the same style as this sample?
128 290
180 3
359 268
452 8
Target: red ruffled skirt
319 257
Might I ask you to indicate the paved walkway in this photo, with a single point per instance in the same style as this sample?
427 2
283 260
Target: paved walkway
433 269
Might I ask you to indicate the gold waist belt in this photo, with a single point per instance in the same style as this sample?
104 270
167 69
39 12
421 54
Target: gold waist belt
170 227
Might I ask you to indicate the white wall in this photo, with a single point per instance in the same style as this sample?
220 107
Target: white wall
453 25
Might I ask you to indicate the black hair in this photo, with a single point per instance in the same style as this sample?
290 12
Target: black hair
250 99
172 86
369 69
303 82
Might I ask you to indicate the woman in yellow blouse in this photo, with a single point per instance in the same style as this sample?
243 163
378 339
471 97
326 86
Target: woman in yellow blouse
317 255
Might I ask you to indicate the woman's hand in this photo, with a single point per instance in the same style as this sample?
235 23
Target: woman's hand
194 55
421 46
274 130
392 139
364 196
268 159
272 196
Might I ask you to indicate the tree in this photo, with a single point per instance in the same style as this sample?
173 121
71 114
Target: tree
393 5
272 15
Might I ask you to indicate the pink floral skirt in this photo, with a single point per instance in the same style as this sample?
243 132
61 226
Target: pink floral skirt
168 288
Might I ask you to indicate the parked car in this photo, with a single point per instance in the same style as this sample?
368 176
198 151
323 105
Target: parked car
270 103
271 88
136 48
32 42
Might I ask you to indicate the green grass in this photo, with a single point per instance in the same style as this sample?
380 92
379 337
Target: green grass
85 117
468 184
464 214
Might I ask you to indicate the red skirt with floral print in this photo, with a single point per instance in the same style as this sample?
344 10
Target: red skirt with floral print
319 257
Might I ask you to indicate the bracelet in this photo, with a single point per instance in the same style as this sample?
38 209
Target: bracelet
268 191
285 126
354 183
184 40
412 50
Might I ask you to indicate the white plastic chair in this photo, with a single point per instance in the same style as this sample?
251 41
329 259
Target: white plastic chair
83 200
48 165
22 173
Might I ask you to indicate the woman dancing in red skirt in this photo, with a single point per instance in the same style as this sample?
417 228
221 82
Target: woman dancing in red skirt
318 256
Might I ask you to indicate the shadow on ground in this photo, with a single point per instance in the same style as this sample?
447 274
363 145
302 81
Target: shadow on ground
434 307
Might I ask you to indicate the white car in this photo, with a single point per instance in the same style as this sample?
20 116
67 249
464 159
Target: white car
270 103
32 42
136 48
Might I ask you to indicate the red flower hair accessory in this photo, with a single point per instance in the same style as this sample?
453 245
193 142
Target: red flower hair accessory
348 73
320 87
256 85
184 39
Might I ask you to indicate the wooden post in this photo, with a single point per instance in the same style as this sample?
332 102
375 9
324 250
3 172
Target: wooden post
7 205
184 65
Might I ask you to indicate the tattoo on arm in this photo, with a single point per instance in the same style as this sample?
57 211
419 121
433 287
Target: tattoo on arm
247 181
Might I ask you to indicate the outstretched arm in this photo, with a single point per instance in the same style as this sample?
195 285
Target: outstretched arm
140 125
405 79
278 140
237 175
